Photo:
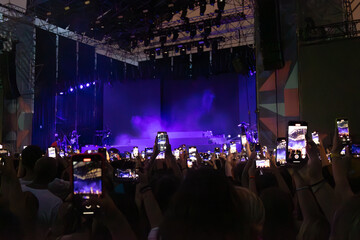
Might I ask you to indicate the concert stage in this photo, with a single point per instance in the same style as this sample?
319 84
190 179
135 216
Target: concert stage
204 141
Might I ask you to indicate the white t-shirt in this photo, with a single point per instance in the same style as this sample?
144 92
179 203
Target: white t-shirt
48 205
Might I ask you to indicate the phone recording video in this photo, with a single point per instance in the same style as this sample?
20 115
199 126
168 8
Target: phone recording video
315 137
355 150
126 175
192 153
86 179
148 152
258 150
243 140
281 152
135 152
262 163
161 141
343 130
217 152
225 149
177 153
52 152
296 144
232 147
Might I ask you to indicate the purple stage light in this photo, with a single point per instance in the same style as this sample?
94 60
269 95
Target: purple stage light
87 84
93 83
71 89
61 93
81 86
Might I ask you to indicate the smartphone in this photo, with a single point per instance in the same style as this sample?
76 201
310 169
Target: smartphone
103 152
3 154
128 175
243 140
189 163
52 152
355 150
281 152
135 152
225 149
343 130
232 147
148 152
143 154
315 137
192 153
87 172
161 155
258 150
161 141
217 152
262 163
177 153
296 143
62 153
127 155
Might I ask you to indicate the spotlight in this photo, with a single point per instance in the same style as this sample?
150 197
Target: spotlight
93 83
162 40
229 136
147 42
152 54
191 4
165 52
200 47
71 89
175 35
202 7
218 20
61 93
221 5
81 86
67 8
193 32
183 14
182 50
87 84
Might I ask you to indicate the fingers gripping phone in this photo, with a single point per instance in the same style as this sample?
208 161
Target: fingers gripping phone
87 183
296 144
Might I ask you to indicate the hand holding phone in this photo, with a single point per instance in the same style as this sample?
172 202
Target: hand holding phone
296 144
343 130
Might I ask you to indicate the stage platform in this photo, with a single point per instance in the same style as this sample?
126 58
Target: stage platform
204 141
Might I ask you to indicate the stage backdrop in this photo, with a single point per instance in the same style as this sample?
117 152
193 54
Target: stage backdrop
140 108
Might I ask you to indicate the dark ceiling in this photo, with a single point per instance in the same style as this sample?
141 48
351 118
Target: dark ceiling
118 21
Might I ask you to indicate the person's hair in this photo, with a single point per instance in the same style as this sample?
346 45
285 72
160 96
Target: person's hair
45 169
279 222
10 226
346 222
30 155
206 206
253 209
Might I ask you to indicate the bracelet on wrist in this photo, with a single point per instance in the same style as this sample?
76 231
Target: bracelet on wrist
145 189
317 183
335 155
302 188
